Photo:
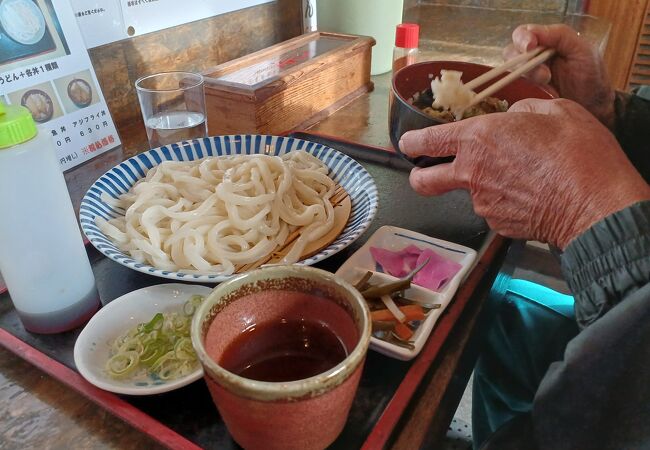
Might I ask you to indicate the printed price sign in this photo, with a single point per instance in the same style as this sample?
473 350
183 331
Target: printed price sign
44 66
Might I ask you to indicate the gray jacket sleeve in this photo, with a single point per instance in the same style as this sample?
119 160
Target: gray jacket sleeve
632 130
598 397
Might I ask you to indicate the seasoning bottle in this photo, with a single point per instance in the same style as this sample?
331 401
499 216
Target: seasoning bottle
407 36
42 257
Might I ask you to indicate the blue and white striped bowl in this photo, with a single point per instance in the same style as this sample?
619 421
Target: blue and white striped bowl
344 170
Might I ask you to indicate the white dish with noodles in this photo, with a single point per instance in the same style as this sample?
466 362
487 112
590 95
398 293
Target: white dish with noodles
22 20
200 210
94 345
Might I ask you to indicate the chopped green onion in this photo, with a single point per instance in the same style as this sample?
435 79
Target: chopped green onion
191 305
152 352
122 364
184 350
154 324
160 348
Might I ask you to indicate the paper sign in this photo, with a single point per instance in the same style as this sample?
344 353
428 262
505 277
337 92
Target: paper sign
100 21
105 21
145 16
45 67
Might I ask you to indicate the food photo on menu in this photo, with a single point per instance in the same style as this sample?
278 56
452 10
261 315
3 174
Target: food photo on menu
77 91
29 29
30 32
46 69
41 101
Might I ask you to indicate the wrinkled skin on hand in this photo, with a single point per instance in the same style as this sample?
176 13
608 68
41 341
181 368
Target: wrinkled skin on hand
546 170
576 72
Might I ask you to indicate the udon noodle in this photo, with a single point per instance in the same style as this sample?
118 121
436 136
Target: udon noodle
214 214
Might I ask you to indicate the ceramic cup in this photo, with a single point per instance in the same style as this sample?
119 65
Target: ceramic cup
304 414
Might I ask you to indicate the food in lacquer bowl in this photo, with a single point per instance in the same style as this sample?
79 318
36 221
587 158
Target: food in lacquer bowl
448 99
435 92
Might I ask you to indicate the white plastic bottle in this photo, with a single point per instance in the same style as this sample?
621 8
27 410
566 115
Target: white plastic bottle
42 257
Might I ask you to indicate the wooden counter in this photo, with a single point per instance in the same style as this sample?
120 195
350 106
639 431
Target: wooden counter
40 412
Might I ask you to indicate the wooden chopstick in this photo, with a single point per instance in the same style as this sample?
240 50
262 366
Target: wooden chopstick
534 62
498 70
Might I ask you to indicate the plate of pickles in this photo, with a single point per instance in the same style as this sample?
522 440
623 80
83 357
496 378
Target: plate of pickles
408 279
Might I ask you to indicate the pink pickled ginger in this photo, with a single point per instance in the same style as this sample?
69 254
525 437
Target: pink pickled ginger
433 276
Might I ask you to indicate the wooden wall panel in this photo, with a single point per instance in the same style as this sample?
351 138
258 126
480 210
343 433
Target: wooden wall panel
626 18
640 71
194 46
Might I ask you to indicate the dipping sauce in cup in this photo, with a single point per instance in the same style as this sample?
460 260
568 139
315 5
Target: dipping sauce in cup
283 350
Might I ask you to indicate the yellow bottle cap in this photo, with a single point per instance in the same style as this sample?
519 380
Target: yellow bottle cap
16 125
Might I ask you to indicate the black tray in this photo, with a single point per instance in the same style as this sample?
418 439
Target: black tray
189 411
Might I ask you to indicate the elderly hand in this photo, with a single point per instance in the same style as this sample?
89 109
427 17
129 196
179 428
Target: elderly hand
577 71
546 170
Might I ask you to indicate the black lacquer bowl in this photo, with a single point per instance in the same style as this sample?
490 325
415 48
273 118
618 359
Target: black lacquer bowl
417 78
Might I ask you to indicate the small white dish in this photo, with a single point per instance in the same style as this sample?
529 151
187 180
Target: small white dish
92 349
395 239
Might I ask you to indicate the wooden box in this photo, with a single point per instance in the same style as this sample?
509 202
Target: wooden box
288 86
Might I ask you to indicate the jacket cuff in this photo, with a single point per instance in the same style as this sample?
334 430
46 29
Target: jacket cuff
608 261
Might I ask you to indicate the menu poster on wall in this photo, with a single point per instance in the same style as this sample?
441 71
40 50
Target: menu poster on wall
100 21
105 21
45 67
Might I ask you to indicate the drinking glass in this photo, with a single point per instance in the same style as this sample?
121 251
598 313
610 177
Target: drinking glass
595 29
173 107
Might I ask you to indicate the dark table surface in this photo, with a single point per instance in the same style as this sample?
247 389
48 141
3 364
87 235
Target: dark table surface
448 217
46 402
